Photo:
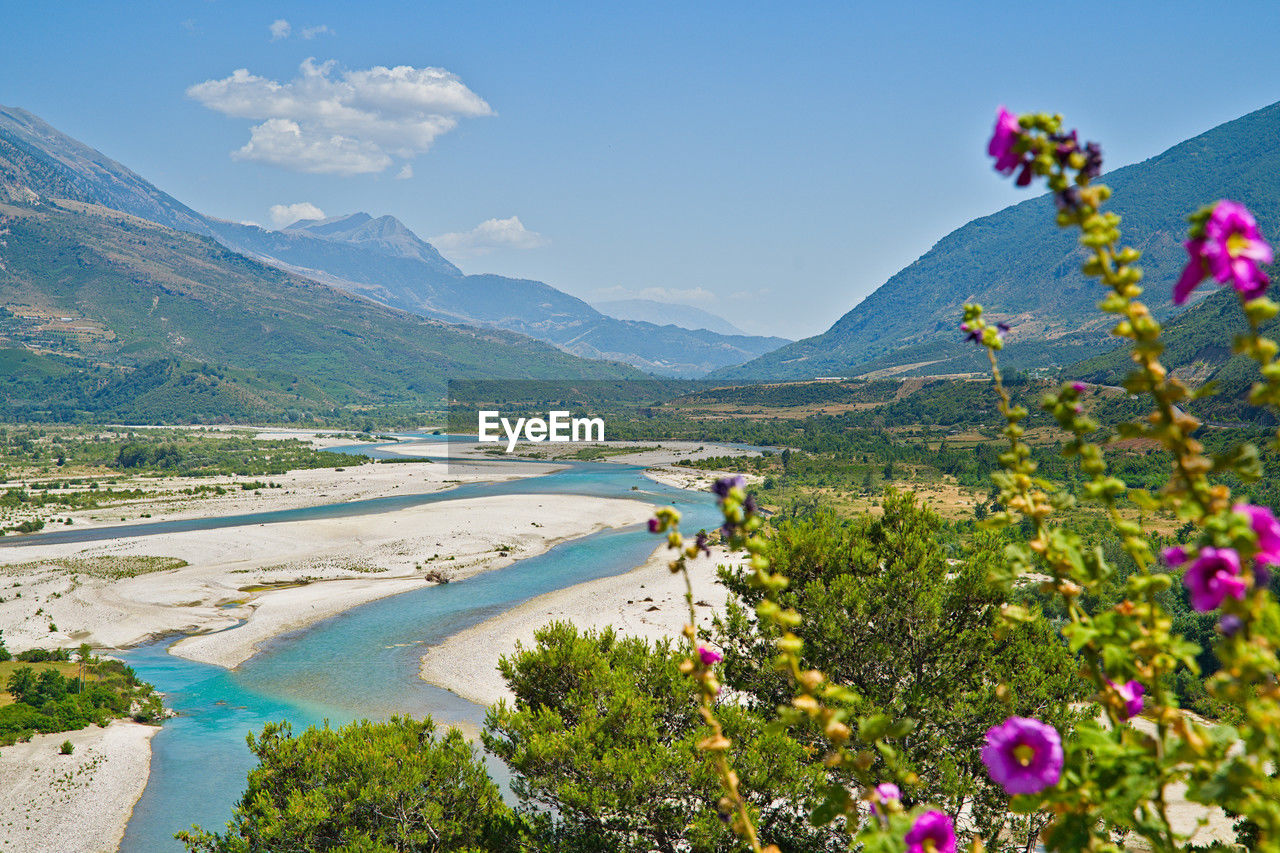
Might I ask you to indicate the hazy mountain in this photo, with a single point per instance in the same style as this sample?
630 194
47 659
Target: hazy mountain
383 260
1024 270
666 313
378 258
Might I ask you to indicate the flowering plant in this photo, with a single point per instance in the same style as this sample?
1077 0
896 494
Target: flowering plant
1115 775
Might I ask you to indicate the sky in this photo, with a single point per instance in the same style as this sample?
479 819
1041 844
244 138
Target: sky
773 163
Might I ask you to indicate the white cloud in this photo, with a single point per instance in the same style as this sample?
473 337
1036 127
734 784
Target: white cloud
342 122
405 173
311 32
487 236
287 214
279 29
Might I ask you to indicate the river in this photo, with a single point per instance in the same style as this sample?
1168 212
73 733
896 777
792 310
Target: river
364 662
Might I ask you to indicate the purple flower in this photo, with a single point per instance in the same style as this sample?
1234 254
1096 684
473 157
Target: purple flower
654 525
1092 160
1266 528
931 833
724 485
1230 625
709 656
1231 250
887 791
1213 576
1069 199
1078 387
1174 556
1004 142
700 543
1131 694
971 334
1023 755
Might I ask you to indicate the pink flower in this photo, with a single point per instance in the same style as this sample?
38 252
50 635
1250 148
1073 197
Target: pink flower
1078 387
1023 755
885 793
1004 140
1175 556
1131 694
1266 528
709 656
931 833
1213 576
654 525
1231 250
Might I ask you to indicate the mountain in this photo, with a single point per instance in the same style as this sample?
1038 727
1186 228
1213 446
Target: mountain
99 287
379 259
1026 271
37 160
664 313
385 261
1197 350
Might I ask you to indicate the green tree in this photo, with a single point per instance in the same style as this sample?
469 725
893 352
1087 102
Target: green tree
83 654
603 736
885 614
22 684
389 787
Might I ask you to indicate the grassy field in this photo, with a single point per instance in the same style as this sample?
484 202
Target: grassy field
68 669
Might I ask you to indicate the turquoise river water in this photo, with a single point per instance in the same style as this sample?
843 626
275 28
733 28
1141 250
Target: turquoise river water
363 663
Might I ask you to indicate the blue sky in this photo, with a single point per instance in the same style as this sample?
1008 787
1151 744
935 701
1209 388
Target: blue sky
771 162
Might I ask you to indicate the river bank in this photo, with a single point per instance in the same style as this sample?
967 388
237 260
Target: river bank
264 580
77 803
647 602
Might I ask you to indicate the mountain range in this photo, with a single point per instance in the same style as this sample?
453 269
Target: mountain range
383 260
376 258
666 313
1026 271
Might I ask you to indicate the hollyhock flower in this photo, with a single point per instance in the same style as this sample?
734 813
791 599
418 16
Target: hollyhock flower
1078 387
1092 160
885 793
700 543
931 833
1174 556
1230 625
654 525
1004 140
1213 576
1131 694
1231 250
709 656
1023 755
724 485
1069 199
1266 528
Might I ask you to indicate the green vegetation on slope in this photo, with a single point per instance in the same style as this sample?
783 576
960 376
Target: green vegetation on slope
45 692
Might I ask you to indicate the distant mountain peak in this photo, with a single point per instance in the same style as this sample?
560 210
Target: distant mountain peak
385 233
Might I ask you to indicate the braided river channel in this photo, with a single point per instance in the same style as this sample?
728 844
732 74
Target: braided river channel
364 662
